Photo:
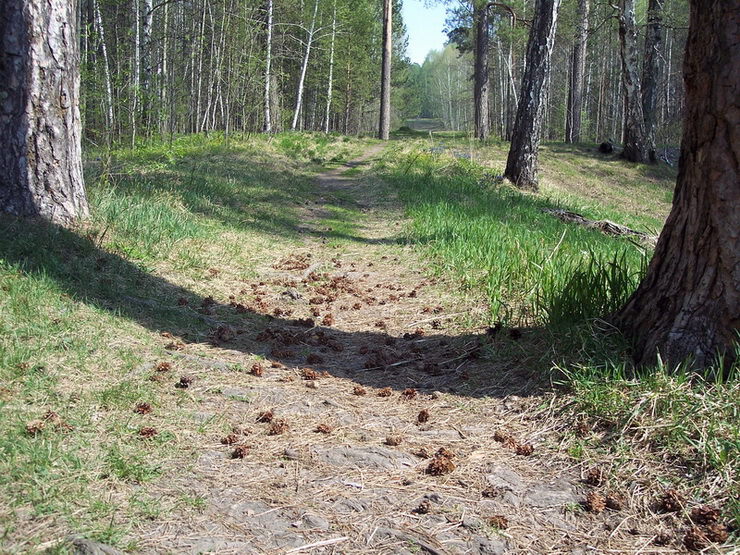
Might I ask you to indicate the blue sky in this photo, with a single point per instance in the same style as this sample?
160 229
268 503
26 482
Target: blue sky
424 26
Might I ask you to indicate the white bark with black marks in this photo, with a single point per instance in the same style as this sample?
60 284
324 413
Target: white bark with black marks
384 126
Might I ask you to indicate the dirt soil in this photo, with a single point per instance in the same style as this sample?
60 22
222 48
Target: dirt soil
370 423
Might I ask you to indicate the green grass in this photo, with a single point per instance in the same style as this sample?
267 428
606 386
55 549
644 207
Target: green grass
81 311
563 281
533 268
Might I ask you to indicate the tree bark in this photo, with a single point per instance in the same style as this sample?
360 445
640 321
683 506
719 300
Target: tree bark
330 82
651 73
146 59
304 68
635 144
100 34
521 165
384 126
268 69
40 146
575 96
480 77
688 305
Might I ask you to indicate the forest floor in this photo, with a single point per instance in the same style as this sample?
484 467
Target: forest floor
312 385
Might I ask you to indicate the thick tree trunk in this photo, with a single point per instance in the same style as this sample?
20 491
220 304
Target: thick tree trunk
651 73
521 165
384 126
688 305
635 144
480 74
578 70
40 160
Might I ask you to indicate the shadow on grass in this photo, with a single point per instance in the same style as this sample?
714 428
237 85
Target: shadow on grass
227 187
660 171
104 280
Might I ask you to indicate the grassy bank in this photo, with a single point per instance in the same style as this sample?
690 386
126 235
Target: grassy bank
82 310
558 282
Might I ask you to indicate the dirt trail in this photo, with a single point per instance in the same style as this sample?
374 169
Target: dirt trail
379 429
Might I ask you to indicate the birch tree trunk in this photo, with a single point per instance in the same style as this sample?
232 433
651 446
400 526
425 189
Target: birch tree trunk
304 68
268 69
100 32
146 58
575 97
40 146
687 305
635 144
521 165
651 73
330 83
384 126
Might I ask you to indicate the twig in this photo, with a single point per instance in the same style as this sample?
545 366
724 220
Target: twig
317 544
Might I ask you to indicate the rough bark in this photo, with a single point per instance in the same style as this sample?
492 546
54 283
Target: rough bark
688 305
384 126
480 72
578 70
40 159
651 72
635 145
521 165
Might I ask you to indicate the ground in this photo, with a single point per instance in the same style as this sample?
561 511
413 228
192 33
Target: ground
336 396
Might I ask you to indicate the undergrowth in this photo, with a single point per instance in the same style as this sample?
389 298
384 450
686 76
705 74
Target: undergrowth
534 269
560 281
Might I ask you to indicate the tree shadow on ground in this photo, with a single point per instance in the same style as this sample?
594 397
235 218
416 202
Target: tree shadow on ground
660 171
451 363
218 184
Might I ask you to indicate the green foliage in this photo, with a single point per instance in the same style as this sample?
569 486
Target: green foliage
533 268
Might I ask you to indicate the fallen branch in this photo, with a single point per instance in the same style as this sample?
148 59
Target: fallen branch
317 544
605 226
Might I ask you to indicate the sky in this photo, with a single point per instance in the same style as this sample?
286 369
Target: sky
424 26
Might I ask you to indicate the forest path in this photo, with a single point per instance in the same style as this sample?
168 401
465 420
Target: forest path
379 429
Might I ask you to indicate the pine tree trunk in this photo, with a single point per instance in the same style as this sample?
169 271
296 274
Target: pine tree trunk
480 77
651 72
635 144
575 96
521 165
688 305
384 126
40 152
